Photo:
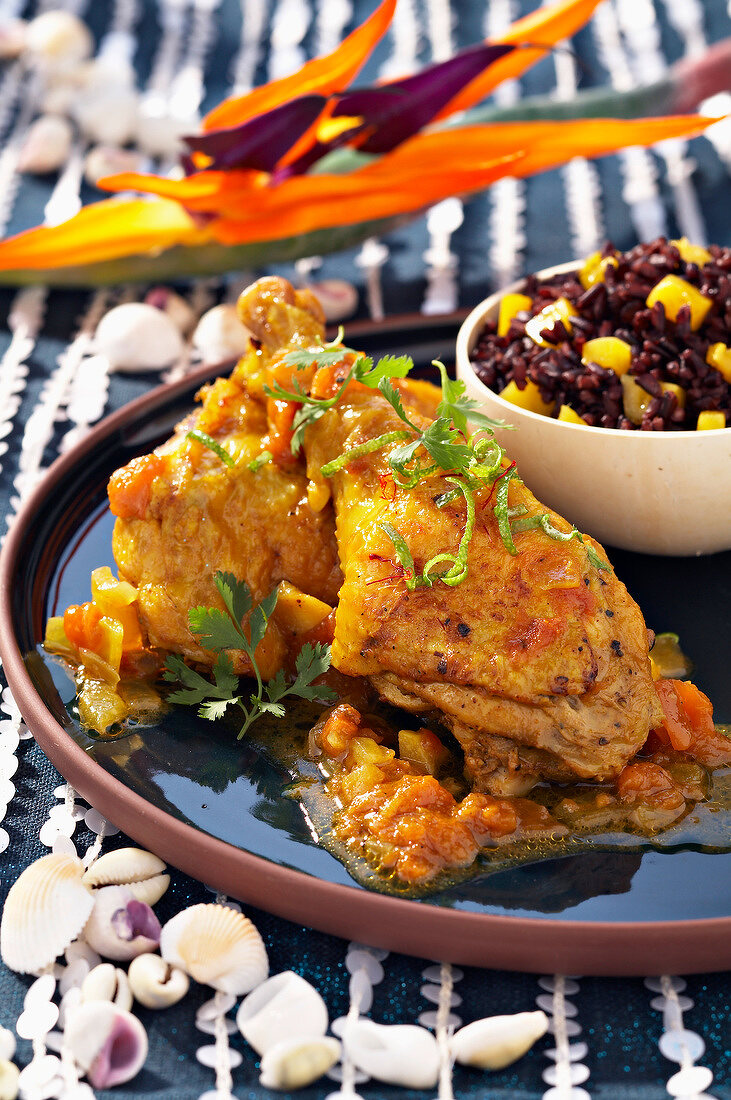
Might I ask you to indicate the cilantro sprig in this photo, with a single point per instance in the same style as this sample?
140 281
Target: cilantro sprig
223 630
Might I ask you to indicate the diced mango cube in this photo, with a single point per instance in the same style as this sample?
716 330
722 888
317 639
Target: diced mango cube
111 642
55 640
511 304
692 253
634 399
711 421
423 749
674 293
108 593
365 750
364 778
594 269
719 356
528 398
672 387
569 416
560 310
609 352
298 611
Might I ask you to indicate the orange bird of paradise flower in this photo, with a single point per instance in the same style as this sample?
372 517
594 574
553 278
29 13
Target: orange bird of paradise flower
306 164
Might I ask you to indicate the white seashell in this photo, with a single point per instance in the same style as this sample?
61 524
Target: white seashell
220 335
176 307
161 135
107 115
108 1044
69 1003
155 983
7 1044
81 950
47 145
138 337
13 38
338 298
398 1054
497 1041
121 927
105 71
123 871
107 983
9 1074
217 947
284 1007
296 1063
46 908
107 160
59 40
60 96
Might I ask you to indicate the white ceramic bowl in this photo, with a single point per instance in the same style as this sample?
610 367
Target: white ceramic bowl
653 492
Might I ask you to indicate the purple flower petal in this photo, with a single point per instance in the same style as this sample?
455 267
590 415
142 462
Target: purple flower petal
262 141
399 110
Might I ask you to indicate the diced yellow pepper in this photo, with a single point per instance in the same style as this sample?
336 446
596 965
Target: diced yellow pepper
423 749
509 306
55 640
672 387
298 611
594 269
692 253
112 641
609 352
99 706
364 778
528 398
569 416
364 750
674 293
711 421
719 356
560 310
108 593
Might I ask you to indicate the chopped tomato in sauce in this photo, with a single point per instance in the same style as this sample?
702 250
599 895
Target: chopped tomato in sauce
130 488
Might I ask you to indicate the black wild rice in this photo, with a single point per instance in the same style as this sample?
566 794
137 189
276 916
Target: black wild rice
662 350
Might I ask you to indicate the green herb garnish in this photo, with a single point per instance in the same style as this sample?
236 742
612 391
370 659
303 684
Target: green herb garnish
223 630
207 441
260 460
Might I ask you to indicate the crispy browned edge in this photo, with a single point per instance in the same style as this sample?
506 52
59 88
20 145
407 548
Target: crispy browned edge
411 927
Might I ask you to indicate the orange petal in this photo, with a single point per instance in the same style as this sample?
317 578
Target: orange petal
198 192
308 203
323 74
544 27
103 231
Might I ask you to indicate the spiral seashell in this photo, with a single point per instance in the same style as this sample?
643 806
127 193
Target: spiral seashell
397 1054
138 870
46 146
217 946
46 908
497 1041
283 1007
9 1075
220 335
108 1044
174 305
121 927
107 983
155 983
58 40
338 298
296 1063
138 337
107 160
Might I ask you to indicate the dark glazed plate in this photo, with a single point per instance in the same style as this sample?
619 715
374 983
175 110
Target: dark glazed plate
213 806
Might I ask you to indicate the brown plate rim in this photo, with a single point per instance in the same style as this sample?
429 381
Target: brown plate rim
458 936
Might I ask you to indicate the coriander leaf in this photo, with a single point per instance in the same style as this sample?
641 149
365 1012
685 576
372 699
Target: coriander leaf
321 357
304 416
260 617
271 708
440 441
215 629
207 441
235 595
394 399
216 708
389 366
401 456
226 679
458 408
195 687
276 687
312 661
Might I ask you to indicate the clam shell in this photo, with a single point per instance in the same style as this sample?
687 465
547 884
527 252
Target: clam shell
9 1075
295 1063
46 908
284 1007
108 1044
138 870
497 1041
397 1054
155 983
114 938
217 946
